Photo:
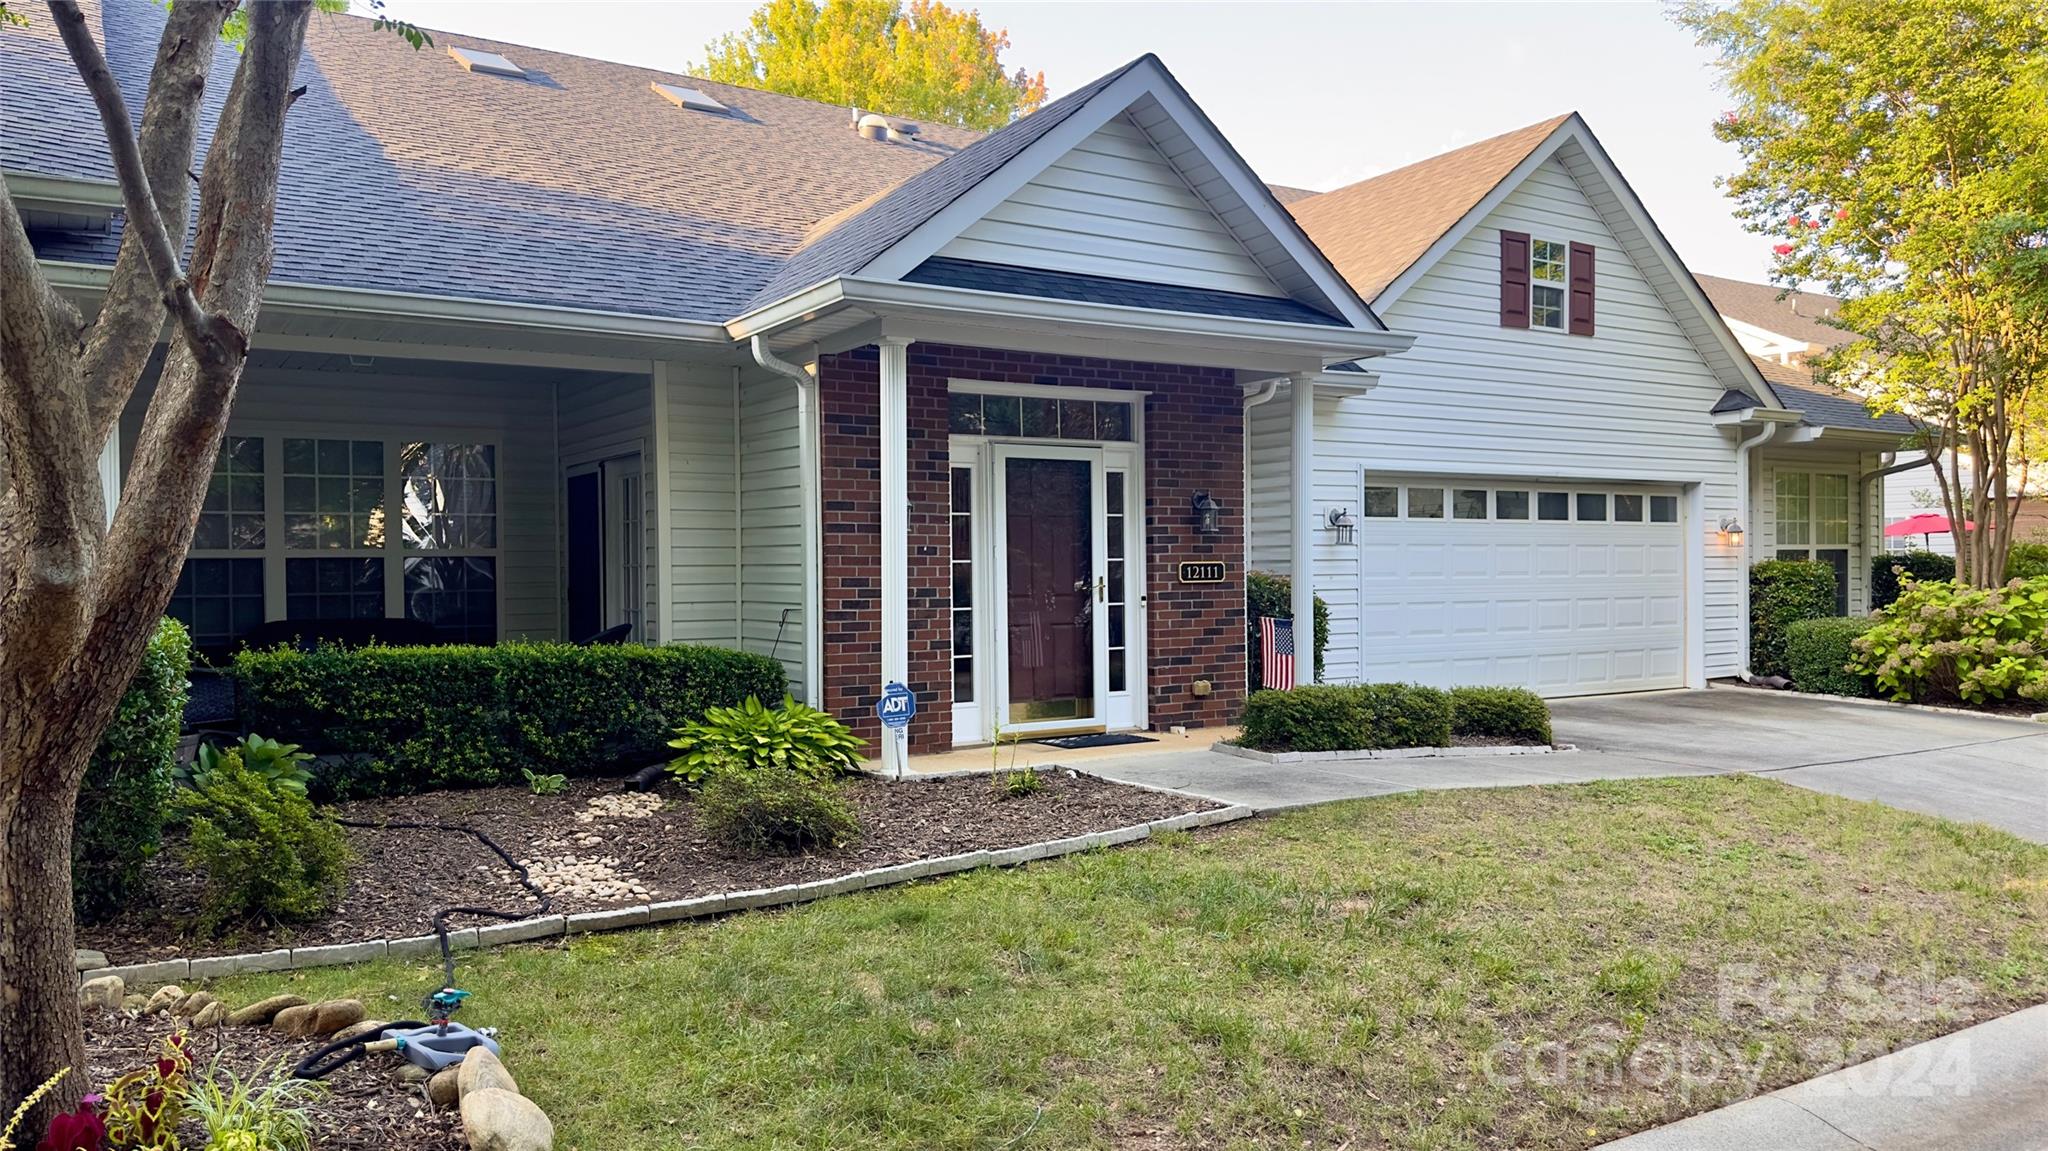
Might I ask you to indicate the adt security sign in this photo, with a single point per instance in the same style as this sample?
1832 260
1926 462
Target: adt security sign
896 707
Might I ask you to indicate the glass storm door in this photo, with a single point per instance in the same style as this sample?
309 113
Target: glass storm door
1052 574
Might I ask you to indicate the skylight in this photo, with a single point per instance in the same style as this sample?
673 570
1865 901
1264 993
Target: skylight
690 98
478 60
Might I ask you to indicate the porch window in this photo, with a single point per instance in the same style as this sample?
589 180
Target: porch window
963 584
1812 516
299 528
1037 417
1116 597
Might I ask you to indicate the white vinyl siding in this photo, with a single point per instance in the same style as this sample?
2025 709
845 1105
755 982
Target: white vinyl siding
1474 399
1114 206
700 491
605 421
517 416
1766 535
772 525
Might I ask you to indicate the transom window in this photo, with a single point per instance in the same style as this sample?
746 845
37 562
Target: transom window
1548 279
1037 417
320 547
1812 519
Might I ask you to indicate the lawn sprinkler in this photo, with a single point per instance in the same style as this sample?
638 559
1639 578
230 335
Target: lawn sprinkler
438 1042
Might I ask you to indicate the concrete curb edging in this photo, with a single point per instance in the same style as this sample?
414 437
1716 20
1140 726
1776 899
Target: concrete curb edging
641 915
1223 748
2039 717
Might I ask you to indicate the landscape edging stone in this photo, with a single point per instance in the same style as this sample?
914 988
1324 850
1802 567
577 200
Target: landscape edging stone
638 915
1222 747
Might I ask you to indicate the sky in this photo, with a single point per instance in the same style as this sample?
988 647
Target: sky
1313 95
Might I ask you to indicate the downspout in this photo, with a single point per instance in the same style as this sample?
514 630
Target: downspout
807 469
1742 450
1266 391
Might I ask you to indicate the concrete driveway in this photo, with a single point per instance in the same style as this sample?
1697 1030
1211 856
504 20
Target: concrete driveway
1961 766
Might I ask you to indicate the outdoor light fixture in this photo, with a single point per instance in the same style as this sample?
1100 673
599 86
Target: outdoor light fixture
1731 531
1208 515
1342 525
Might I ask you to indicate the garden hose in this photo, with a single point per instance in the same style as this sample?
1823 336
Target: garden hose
444 1002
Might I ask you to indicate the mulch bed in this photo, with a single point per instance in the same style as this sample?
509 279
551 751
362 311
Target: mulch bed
362 1108
400 877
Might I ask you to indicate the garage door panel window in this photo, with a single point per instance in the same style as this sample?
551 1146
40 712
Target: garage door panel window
1382 503
1510 505
1553 506
1468 504
1425 503
1628 508
1592 507
1663 509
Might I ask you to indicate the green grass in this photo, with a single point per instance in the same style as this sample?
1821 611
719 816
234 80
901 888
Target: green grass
1337 974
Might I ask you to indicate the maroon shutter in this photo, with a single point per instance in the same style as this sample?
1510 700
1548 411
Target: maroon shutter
1580 322
1514 279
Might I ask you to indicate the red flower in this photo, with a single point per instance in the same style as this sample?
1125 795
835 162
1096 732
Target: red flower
80 1130
1813 224
1794 220
1782 249
1841 213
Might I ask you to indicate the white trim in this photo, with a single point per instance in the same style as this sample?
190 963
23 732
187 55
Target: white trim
65 191
999 454
1301 504
893 382
1044 391
664 515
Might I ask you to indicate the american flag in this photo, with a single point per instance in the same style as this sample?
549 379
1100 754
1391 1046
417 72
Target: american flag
1276 653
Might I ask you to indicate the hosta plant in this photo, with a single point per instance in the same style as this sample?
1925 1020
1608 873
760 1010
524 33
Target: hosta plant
281 765
1945 641
794 737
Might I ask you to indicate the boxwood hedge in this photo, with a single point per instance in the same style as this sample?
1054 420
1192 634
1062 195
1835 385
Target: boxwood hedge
125 799
404 719
1358 717
1781 593
1512 713
1817 651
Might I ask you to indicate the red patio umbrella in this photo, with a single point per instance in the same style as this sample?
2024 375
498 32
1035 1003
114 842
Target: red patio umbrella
1923 525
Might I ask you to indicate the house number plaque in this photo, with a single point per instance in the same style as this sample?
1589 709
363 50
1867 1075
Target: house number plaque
1201 571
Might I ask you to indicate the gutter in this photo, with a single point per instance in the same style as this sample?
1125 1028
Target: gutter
808 471
1742 450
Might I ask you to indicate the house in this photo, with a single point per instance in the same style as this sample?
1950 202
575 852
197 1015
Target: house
1564 481
555 345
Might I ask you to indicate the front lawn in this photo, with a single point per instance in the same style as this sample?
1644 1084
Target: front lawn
1343 975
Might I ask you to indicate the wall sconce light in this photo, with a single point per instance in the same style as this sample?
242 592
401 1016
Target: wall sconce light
1731 531
1208 515
1342 525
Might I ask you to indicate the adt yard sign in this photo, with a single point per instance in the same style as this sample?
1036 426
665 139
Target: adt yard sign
896 707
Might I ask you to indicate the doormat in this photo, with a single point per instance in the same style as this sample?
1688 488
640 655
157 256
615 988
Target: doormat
1077 742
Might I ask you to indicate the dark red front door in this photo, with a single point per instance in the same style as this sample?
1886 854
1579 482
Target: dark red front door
1048 509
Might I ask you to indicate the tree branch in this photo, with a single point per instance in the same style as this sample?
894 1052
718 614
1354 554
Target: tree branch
137 197
131 315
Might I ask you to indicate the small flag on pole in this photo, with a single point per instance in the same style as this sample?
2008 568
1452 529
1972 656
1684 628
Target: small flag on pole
1276 653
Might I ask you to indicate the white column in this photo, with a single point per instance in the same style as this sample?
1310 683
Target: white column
895 437
110 473
1302 504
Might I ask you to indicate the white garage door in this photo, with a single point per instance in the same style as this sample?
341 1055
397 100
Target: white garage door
1567 589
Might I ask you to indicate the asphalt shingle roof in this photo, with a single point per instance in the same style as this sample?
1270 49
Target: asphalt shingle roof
577 187
1795 314
1826 407
974 274
1374 229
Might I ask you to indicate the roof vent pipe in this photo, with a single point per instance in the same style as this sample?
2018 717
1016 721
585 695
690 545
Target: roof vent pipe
872 127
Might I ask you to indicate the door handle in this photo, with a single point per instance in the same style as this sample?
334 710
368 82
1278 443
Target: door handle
1101 588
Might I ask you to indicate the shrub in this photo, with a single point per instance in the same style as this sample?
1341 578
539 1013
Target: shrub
749 737
1921 565
1267 594
1361 717
2026 561
239 1115
773 810
415 719
1818 652
125 799
263 851
1944 641
1514 713
1781 593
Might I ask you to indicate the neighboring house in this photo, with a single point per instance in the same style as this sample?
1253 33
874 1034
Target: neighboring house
1539 487
555 344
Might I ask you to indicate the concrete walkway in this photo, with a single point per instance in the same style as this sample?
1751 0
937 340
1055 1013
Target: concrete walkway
1960 766
1984 1088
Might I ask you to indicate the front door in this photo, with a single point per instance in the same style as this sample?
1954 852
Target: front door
1051 586
606 549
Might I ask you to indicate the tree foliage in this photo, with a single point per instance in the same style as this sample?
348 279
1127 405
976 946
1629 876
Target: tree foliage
1900 154
925 61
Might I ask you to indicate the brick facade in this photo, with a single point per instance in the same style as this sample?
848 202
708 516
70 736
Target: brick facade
1194 420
